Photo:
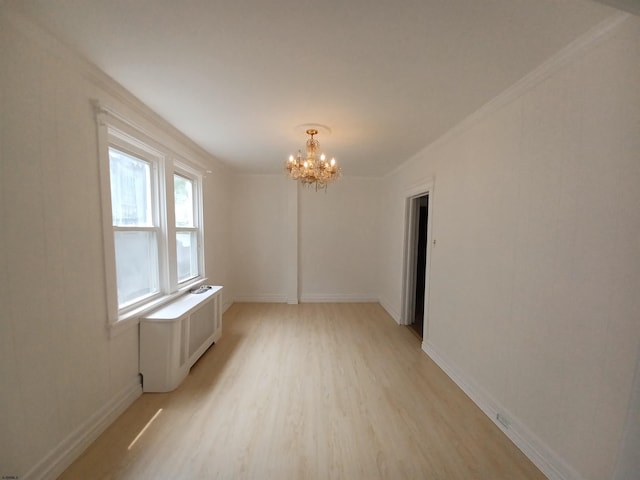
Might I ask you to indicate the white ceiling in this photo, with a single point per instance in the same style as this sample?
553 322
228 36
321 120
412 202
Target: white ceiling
387 76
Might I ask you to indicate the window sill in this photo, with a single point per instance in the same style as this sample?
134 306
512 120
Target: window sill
132 318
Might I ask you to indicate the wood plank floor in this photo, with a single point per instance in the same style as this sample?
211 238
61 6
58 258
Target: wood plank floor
310 391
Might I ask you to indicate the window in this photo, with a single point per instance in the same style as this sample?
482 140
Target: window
135 228
186 228
152 204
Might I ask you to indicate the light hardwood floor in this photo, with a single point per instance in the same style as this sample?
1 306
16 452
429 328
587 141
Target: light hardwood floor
310 391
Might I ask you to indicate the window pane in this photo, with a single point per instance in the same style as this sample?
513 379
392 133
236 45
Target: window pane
183 191
130 190
187 253
136 266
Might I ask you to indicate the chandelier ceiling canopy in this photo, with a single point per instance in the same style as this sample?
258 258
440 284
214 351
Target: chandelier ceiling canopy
312 168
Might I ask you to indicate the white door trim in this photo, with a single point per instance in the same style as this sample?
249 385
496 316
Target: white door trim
409 257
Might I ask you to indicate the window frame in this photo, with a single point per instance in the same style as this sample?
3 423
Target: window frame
115 132
183 170
156 161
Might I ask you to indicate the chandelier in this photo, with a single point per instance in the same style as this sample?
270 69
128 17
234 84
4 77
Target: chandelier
313 169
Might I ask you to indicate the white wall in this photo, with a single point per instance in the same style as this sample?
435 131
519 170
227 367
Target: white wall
217 228
258 238
535 276
61 374
337 239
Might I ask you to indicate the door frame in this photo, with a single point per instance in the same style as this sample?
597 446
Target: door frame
411 196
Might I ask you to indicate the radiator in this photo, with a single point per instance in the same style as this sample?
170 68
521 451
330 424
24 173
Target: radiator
174 337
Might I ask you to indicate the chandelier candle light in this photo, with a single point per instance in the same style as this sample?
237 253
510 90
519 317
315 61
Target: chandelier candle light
314 168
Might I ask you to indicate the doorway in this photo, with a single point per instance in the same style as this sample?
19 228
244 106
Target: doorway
417 259
422 208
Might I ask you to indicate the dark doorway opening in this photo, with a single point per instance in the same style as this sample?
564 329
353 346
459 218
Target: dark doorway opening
421 265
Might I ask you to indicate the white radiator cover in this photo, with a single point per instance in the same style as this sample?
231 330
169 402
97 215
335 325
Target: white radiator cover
175 336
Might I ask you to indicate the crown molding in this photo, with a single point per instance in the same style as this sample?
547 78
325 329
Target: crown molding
73 59
562 58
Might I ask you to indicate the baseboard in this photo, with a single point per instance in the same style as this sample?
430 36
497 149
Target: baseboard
259 299
307 298
390 310
337 298
226 306
549 463
69 449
